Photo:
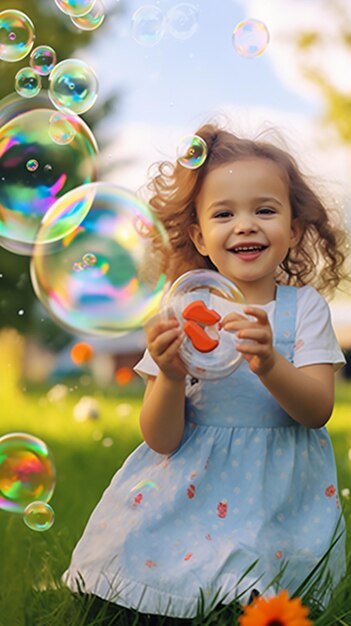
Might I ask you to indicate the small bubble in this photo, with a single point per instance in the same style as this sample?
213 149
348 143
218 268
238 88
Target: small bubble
12 36
32 165
21 312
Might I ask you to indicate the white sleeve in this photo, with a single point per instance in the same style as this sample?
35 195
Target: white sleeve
146 366
315 340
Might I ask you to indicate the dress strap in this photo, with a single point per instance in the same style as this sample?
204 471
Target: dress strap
285 320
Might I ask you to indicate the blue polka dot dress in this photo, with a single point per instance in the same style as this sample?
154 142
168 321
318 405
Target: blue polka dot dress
248 495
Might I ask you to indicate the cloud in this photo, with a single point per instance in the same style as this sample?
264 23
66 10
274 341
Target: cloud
287 21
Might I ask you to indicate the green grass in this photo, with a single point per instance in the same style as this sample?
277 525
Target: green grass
31 563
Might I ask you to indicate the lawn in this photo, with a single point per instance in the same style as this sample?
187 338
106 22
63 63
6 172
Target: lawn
87 454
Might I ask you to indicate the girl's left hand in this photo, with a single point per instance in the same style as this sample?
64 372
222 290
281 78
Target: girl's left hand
259 352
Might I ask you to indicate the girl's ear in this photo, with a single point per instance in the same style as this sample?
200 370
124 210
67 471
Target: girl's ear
297 229
196 237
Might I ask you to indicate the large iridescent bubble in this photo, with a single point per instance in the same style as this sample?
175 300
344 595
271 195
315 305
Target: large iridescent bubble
199 299
16 35
27 192
27 471
73 86
121 285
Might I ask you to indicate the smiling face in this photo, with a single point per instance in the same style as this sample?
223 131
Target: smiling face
246 202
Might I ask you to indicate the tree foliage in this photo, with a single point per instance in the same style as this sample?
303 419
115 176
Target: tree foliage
53 28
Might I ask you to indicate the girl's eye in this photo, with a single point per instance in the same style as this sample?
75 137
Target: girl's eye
267 209
223 214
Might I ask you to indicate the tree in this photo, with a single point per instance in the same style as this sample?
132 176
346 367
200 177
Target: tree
53 28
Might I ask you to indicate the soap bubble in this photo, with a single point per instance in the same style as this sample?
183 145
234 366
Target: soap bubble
215 296
192 152
73 86
27 193
250 38
123 287
148 25
32 165
92 20
60 128
27 471
38 516
182 20
42 60
27 82
75 8
16 35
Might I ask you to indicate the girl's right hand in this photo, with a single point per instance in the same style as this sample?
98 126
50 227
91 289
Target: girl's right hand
163 340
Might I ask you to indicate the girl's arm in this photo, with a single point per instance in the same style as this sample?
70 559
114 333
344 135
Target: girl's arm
162 414
305 393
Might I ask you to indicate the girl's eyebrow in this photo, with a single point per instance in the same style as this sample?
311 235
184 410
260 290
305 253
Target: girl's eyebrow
230 202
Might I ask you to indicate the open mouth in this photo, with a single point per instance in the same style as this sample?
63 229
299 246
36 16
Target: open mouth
248 249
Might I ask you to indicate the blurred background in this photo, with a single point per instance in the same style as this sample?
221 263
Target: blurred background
84 402
150 96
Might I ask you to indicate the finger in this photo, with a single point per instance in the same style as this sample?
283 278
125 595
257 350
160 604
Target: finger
230 317
238 325
256 334
164 341
260 314
252 348
153 332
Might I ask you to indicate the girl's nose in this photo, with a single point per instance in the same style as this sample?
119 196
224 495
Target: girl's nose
245 225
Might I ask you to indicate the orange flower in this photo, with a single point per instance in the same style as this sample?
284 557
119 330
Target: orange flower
277 611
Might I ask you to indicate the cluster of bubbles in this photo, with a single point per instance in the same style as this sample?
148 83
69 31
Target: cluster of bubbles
84 14
73 84
149 24
27 479
250 37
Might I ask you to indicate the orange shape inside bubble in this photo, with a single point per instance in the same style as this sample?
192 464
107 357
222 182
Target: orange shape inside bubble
81 353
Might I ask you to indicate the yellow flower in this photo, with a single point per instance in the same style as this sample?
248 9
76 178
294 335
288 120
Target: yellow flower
277 611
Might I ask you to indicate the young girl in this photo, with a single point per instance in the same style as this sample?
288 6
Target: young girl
238 471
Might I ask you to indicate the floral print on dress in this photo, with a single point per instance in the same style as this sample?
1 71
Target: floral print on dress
191 491
188 556
138 499
330 491
222 509
299 344
278 554
150 563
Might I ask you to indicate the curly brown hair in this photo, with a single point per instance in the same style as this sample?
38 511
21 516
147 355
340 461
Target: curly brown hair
320 257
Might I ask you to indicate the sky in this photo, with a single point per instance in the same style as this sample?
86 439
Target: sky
170 89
